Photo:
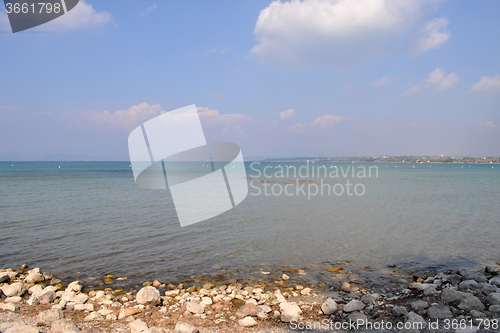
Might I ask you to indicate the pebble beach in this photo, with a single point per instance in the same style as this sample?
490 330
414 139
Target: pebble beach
465 300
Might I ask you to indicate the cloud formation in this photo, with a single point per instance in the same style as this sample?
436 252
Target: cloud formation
434 35
486 84
287 114
384 81
83 16
129 118
149 9
342 31
436 81
488 124
322 122
209 116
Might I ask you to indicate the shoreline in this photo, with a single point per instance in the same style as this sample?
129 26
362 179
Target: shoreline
281 302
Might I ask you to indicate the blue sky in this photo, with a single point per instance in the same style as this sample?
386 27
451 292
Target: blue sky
283 79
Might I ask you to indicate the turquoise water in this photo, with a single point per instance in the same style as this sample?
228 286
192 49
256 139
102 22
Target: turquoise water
75 217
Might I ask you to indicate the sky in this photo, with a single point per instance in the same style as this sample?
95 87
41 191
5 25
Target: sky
305 78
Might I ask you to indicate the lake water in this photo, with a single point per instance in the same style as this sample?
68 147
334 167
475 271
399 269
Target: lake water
91 219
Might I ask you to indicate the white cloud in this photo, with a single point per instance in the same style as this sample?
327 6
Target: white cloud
129 118
434 35
319 123
384 81
150 8
339 31
486 84
287 114
436 81
83 16
488 124
214 117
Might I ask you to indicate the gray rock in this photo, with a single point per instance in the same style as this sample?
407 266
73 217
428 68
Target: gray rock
356 315
182 327
493 299
14 289
452 279
289 311
247 322
148 296
194 307
439 312
477 314
353 305
469 329
137 326
468 284
399 311
21 328
451 296
417 305
430 290
417 320
493 270
47 317
329 306
488 288
495 281
64 326
44 297
494 308
471 302
4 277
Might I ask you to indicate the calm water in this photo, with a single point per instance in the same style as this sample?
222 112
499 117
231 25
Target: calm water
90 217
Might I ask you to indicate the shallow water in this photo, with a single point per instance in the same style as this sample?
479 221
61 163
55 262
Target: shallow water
90 218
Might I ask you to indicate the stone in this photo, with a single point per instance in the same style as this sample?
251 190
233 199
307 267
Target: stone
356 315
45 296
148 296
289 311
353 305
345 286
494 308
137 326
477 314
266 308
305 291
4 277
64 326
47 317
84 307
35 288
399 311
488 288
194 307
124 313
68 296
13 299
155 330
91 330
9 307
468 284
34 277
412 317
495 281
182 327
451 296
430 290
74 286
439 312
493 270
471 302
417 305
247 322
285 277
80 298
21 328
248 309
493 299
329 306
14 289
452 279
206 301
94 316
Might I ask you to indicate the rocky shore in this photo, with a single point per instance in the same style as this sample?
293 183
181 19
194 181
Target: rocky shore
33 301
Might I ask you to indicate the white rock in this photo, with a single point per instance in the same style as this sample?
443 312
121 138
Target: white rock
206 301
195 307
64 326
46 296
84 307
148 295
15 289
68 296
94 316
305 291
80 298
289 311
34 278
182 327
21 328
137 326
35 288
46 318
266 308
74 286
111 317
9 307
13 299
247 322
